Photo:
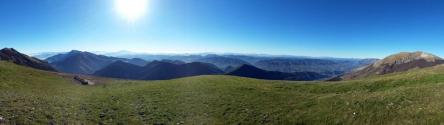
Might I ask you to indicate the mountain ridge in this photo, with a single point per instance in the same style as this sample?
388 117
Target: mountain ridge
399 62
12 55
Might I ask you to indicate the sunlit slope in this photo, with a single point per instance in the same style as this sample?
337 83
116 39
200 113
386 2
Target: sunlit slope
413 97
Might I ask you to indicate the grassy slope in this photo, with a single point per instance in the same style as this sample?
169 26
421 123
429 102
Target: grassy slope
30 96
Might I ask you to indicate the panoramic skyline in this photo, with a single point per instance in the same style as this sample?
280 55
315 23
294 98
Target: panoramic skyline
343 28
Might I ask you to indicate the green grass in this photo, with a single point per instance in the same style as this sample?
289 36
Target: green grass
29 96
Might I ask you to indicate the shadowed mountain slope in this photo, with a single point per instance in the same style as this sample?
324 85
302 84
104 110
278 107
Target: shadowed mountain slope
254 72
120 69
157 70
12 55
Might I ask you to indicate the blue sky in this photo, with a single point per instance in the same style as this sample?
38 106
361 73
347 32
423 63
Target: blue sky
335 28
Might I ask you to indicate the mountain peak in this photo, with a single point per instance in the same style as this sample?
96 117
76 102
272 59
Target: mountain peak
9 50
406 57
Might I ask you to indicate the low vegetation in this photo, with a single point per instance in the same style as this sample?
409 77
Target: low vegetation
30 96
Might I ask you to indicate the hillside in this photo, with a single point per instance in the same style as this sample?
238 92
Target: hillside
399 62
12 55
254 72
37 97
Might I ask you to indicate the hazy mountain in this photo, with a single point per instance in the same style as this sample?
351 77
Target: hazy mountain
254 72
333 66
250 58
152 57
157 70
79 62
254 58
12 55
223 62
45 55
135 61
228 62
396 63
173 61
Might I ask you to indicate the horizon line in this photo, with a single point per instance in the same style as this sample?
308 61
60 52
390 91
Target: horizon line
196 53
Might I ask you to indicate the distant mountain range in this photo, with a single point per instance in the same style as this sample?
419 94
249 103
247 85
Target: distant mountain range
254 72
12 55
253 66
157 70
227 62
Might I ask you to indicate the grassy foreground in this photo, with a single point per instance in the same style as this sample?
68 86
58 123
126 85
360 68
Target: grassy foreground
28 96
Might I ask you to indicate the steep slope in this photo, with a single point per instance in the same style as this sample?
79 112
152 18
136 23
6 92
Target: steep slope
254 72
157 70
396 63
222 62
12 55
78 62
326 66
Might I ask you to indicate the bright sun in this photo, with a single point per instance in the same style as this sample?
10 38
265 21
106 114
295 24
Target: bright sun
131 10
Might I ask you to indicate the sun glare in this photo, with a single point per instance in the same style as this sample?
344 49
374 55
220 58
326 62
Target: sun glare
131 10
